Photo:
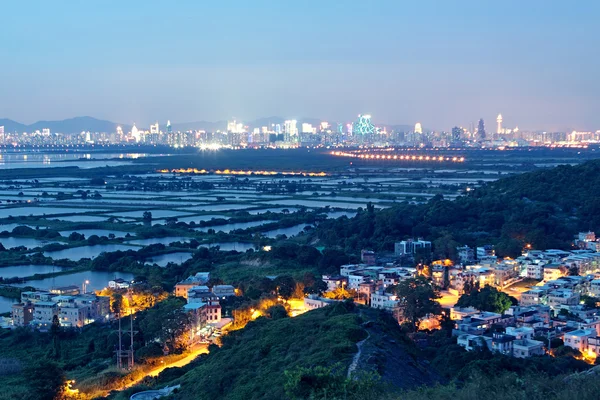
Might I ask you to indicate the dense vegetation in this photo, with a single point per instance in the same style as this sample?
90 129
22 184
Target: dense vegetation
251 362
543 208
487 299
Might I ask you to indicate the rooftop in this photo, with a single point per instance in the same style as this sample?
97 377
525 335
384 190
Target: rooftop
45 304
582 332
194 306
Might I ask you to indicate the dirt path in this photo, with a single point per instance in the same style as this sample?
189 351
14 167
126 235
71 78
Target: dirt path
356 357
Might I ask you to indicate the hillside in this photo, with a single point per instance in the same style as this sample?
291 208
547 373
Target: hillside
258 361
543 208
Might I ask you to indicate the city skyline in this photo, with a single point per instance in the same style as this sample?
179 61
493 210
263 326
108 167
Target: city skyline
418 126
438 64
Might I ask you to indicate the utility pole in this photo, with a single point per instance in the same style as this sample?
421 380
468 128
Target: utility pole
131 363
119 363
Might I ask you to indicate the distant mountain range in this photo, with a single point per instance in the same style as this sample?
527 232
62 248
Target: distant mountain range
71 125
80 124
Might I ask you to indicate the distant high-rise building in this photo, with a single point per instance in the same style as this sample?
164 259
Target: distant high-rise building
135 134
2 137
499 121
456 134
154 128
291 127
120 136
290 131
481 130
169 129
231 126
307 128
418 128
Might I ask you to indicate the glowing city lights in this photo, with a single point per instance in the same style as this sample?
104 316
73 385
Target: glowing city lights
401 157
238 172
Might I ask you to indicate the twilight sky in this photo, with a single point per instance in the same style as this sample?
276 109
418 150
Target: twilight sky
442 63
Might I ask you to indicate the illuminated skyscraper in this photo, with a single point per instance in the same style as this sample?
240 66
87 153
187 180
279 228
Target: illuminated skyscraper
154 128
291 127
481 130
290 130
307 128
135 134
235 127
499 121
169 129
418 128
363 125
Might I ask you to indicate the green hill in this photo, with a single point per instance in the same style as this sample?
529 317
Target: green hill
277 359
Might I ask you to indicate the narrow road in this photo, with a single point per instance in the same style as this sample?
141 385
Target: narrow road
178 364
200 349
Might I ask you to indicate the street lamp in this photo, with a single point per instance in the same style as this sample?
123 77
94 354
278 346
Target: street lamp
85 283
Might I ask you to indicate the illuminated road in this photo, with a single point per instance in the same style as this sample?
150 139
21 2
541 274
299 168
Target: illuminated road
198 349
516 291
202 349
447 300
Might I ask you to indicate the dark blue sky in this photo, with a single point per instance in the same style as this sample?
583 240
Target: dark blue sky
441 62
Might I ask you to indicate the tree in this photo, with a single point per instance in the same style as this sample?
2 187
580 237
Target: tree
285 286
341 293
147 216
116 303
55 332
417 299
589 302
566 352
573 271
93 240
487 299
45 380
175 330
322 383
318 287
76 237
276 312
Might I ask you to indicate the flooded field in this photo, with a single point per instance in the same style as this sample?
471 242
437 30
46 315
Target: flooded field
77 253
22 271
96 280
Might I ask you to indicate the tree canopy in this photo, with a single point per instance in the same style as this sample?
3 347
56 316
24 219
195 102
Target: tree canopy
417 299
487 299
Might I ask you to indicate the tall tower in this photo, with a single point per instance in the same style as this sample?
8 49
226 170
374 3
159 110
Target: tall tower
499 121
481 130
418 128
